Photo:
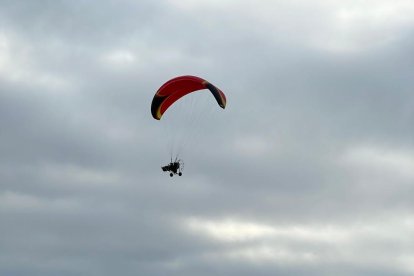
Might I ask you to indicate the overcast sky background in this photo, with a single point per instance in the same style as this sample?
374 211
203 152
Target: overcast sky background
308 171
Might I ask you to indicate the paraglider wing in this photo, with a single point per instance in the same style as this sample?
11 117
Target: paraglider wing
178 87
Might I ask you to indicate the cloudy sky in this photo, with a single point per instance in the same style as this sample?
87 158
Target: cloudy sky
308 171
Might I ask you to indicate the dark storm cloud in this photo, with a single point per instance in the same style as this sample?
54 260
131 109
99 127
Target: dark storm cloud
307 171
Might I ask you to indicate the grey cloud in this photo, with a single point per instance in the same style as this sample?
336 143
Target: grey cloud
81 190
